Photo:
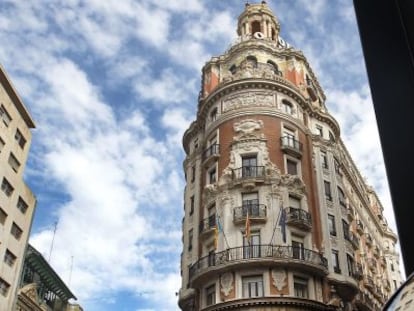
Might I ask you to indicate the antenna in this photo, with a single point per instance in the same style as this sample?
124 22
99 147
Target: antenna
53 240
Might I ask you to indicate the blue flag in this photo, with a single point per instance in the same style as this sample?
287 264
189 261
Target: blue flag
282 224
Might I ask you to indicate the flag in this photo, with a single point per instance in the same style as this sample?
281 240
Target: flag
282 224
247 229
217 229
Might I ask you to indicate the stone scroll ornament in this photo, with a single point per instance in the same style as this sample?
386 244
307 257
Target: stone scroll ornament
279 277
226 283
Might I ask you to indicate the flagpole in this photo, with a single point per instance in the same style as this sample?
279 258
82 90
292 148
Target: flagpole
275 225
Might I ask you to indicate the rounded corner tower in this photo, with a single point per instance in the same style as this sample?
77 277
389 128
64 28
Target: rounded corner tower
273 200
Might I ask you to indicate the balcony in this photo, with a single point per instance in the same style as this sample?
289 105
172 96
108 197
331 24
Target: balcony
364 301
353 239
351 214
291 146
299 218
207 226
258 255
257 213
211 153
248 176
360 227
357 272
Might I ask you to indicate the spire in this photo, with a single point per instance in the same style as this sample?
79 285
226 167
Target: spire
259 21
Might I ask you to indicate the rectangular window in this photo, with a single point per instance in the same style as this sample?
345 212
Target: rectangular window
291 167
250 204
193 173
191 205
300 286
331 225
190 239
350 263
211 258
251 248
4 287
328 193
212 176
13 162
16 231
298 250
211 295
252 286
6 187
341 197
324 159
22 205
337 167
319 130
249 166
20 139
335 261
213 114
345 227
4 115
3 216
9 258
2 144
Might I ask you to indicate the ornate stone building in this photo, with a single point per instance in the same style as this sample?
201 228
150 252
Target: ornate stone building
277 215
17 202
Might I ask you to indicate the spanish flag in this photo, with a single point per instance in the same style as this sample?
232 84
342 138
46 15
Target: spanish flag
247 229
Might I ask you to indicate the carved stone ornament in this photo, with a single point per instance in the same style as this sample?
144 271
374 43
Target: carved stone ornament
226 282
246 128
294 183
210 192
279 278
250 99
30 290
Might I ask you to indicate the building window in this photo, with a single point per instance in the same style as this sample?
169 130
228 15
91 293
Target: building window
249 166
211 295
331 136
335 261
20 139
13 162
9 258
319 130
274 67
16 231
341 197
291 167
255 27
233 69
22 205
191 205
190 239
212 176
328 193
287 107
392 267
2 143
4 115
193 173
331 225
350 263
250 204
4 287
6 187
337 167
252 286
345 227
213 115
3 216
298 250
195 143
324 159
251 60
300 286
251 248
211 258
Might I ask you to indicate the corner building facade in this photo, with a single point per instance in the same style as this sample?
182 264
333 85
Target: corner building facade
265 156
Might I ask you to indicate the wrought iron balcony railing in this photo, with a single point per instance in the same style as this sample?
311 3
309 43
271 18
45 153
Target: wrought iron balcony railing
256 211
299 217
212 150
249 172
255 252
292 145
207 224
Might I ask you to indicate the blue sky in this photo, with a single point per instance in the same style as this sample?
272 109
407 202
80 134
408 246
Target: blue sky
112 86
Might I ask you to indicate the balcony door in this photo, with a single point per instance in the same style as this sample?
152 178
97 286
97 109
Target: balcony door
249 166
298 249
250 204
252 249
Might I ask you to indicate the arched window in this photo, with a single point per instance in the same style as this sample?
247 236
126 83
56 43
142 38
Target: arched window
275 68
273 34
252 60
341 197
256 27
233 69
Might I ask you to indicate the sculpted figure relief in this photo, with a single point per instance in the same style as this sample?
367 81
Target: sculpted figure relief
279 277
226 282
250 99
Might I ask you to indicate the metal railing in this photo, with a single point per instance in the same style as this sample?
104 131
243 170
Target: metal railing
207 224
248 172
291 142
211 150
299 215
254 252
255 210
